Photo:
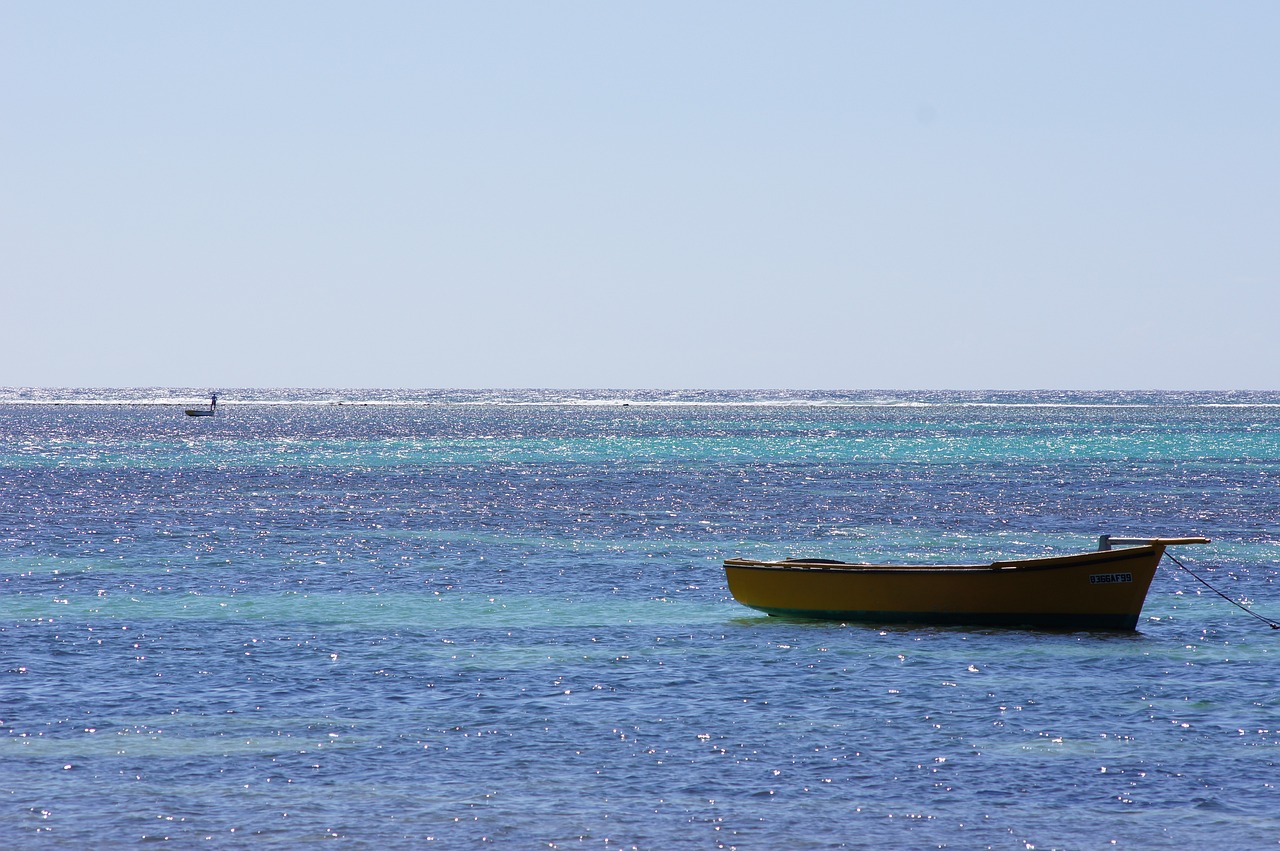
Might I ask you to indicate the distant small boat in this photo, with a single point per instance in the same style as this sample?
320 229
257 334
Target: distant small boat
203 412
1093 590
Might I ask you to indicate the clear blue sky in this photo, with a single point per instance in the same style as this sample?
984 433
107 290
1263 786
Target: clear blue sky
622 194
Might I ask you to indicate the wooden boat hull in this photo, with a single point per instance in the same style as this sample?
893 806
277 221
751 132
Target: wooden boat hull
1097 590
198 413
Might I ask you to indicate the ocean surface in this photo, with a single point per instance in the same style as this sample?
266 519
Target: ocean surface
462 618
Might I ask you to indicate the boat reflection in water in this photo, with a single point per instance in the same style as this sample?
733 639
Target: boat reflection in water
1093 590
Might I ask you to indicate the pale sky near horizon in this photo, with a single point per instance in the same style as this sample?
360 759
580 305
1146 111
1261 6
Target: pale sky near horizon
843 195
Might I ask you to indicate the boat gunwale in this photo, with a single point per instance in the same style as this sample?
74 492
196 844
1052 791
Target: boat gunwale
1017 565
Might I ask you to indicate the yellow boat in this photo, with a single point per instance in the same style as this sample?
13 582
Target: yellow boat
1093 590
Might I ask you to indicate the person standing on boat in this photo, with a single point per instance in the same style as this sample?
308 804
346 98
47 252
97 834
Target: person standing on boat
213 403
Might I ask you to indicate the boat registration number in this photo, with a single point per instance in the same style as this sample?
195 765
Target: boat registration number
1109 578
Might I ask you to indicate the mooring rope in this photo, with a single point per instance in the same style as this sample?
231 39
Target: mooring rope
1268 621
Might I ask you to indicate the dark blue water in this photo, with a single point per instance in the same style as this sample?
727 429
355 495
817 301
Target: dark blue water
399 618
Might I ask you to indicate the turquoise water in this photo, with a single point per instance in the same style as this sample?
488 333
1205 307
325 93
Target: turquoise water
400 618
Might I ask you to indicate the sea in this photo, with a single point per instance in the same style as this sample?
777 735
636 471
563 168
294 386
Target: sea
499 618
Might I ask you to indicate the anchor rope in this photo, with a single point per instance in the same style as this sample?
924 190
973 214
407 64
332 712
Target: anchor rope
1268 621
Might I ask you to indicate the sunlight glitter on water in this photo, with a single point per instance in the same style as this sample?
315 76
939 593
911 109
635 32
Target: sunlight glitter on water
511 623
